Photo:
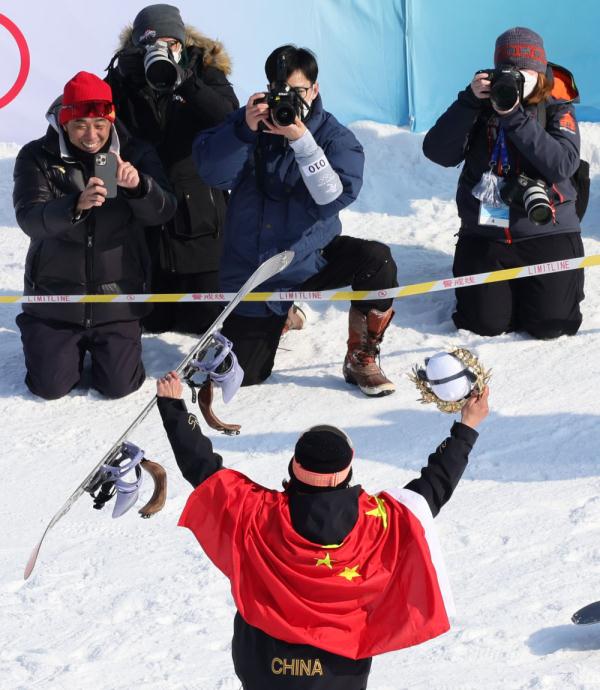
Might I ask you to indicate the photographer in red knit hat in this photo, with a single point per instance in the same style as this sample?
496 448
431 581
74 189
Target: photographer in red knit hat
84 194
522 191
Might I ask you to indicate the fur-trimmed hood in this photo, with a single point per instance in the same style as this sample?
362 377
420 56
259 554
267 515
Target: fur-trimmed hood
214 52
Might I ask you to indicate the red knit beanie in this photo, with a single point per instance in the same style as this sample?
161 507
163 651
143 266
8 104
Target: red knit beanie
86 95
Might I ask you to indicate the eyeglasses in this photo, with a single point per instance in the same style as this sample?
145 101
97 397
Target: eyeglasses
302 91
173 43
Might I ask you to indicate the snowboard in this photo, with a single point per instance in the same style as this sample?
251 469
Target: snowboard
264 272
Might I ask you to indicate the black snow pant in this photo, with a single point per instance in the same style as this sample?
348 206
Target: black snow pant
183 317
263 662
545 306
363 264
54 353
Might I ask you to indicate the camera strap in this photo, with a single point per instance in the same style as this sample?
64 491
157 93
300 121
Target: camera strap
499 159
265 145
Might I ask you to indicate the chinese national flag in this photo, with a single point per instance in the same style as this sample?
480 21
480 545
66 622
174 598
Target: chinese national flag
382 589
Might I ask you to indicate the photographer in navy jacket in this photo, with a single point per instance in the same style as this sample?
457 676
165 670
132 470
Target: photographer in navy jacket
534 136
288 185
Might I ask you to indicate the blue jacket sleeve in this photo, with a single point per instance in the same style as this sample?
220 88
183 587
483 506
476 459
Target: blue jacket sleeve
446 142
220 153
346 156
553 151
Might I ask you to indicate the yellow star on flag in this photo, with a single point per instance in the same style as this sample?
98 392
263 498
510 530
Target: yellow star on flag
325 561
380 511
350 573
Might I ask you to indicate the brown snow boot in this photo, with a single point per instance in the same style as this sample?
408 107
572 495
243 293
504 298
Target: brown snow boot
361 365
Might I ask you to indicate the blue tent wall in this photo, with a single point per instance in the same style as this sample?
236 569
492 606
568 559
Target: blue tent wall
359 45
448 41
403 61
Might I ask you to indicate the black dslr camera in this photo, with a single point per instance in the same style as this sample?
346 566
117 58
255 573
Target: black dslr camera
506 86
284 103
153 61
529 194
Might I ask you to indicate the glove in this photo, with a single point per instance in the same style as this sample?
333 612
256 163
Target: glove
190 70
130 65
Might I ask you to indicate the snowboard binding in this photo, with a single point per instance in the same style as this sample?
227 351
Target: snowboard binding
110 482
216 365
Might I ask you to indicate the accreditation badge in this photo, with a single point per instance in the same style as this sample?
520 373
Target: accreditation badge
498 216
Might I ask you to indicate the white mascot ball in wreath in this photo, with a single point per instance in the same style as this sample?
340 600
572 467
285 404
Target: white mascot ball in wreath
449 378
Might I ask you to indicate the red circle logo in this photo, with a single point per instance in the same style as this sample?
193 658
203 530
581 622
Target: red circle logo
15 32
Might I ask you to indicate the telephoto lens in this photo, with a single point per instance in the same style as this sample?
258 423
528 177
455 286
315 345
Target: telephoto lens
529 194
537 203
161 71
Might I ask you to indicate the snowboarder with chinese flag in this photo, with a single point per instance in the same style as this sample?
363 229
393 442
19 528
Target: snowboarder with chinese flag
324 575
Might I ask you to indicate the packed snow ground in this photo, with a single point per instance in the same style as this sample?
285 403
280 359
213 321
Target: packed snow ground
131 603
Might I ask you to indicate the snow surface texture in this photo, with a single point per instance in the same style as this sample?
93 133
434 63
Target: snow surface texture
131 603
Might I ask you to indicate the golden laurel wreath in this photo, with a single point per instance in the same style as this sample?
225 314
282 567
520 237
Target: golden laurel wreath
471 362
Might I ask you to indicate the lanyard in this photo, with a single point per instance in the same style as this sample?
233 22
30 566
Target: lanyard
499 157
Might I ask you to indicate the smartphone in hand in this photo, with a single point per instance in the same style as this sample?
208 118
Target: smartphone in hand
105 167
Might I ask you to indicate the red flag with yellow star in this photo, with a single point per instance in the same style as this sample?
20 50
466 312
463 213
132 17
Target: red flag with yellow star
383 588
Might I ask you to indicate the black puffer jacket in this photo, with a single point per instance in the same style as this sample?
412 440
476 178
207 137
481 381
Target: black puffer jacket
192 241
466 132
104 251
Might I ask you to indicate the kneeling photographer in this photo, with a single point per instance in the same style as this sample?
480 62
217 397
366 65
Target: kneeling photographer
291 168
169 83
515 129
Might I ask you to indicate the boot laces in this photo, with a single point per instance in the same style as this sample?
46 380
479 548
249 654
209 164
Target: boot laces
368 355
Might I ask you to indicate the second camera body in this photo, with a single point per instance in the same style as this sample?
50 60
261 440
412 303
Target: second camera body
530 194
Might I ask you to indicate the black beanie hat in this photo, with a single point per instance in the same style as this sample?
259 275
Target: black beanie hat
324 449
155 21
